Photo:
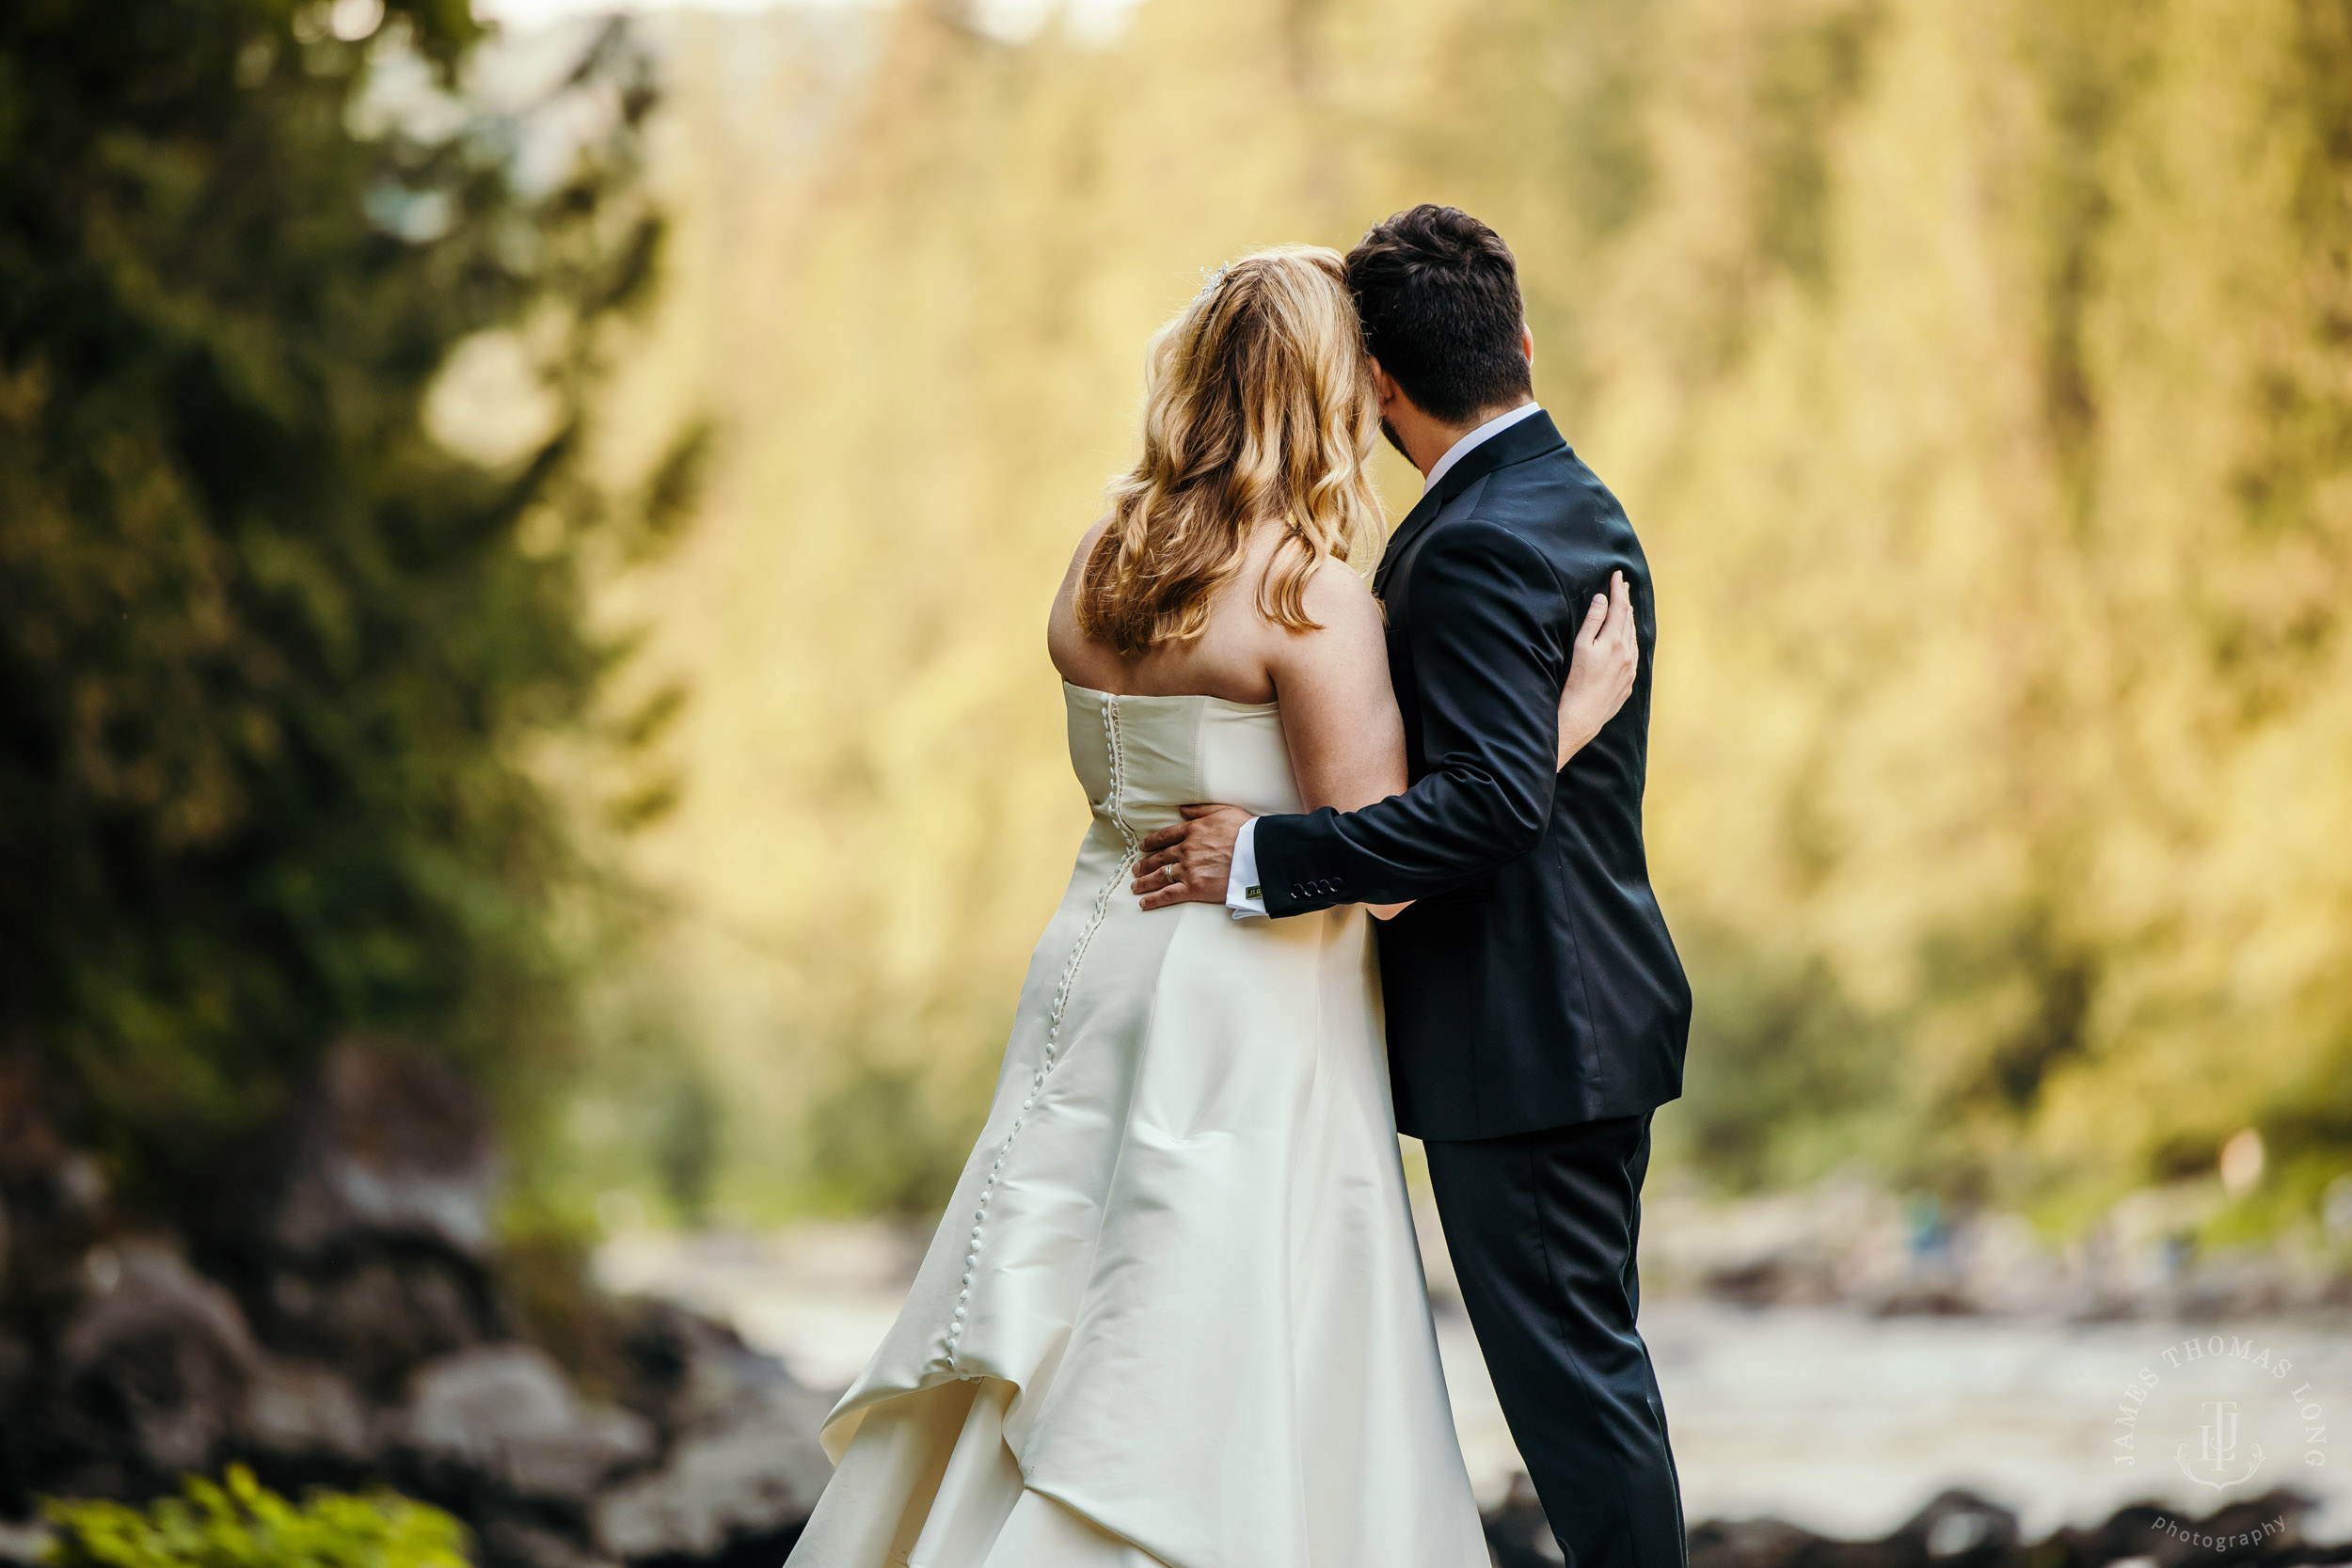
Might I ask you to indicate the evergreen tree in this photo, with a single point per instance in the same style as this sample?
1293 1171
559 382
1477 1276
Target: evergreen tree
272 659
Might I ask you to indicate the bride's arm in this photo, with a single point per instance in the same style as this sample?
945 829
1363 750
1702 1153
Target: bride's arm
1339 712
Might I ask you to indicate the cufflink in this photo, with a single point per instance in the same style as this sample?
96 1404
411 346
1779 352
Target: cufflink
1254 892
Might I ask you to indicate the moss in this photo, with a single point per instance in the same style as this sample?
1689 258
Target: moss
238 1523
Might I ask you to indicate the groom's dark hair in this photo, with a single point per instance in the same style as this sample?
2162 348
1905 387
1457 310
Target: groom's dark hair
1440 297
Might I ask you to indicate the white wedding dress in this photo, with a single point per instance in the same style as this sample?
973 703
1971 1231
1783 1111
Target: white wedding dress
1175 1313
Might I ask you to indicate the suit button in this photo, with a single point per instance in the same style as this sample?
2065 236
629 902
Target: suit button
1297 892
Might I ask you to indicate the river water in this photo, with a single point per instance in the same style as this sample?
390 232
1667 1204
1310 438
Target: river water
1840 1421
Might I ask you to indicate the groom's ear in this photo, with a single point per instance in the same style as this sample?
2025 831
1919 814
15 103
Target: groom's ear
1385 385
1527 344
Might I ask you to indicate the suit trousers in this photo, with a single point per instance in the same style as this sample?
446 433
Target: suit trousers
1543 1227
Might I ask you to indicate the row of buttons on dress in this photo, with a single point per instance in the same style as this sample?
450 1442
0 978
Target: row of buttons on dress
1054 1018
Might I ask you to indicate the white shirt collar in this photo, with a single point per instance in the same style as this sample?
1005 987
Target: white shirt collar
1486 432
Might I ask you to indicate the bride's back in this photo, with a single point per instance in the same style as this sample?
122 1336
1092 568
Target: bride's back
1231 657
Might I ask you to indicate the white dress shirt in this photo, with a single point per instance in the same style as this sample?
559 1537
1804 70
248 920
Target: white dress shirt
1243 896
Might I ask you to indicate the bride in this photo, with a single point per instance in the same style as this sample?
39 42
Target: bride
1175 1313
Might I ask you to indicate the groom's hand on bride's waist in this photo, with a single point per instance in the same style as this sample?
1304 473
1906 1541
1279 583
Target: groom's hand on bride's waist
1200 851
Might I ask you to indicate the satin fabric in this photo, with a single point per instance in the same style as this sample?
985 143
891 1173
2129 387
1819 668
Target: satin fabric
1175 1312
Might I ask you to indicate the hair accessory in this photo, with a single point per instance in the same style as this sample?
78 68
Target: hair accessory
1209 280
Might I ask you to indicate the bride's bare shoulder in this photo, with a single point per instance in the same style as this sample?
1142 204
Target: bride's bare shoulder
1336 588
1333 593
1067 597
1085 547
1344 640
1067 646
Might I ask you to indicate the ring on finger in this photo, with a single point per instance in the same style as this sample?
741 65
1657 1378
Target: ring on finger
1172 874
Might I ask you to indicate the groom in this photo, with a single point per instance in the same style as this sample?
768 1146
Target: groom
1536 1011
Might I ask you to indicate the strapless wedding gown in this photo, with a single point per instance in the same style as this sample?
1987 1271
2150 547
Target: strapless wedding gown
1175 1313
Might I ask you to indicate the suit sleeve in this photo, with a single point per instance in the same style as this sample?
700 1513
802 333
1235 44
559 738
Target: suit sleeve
1490 642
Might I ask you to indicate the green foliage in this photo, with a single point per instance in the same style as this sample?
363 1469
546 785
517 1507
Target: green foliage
686 1144
242 1524
1786 1077
274 659
545 1278
642 1123
876 1147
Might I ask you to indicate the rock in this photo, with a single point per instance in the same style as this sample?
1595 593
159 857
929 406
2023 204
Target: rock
25 1543
359 1236
752 1475
20 1395
52 1208
511 1542
744 1469
504 1412
151 1374
2264 1528
339 1323
388 1145
379 1315
1748 1543
1931 1298
2137 1535
306 1413
1517 1535
1959 1529
690 1370
1795 1279
1841 1239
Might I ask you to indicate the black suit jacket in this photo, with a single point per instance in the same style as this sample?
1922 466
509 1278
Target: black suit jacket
1532 983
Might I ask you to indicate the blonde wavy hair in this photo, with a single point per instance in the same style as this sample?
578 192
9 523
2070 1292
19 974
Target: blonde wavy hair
1258 407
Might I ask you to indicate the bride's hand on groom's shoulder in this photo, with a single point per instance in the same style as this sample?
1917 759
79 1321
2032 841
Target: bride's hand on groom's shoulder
1600 669
1189 861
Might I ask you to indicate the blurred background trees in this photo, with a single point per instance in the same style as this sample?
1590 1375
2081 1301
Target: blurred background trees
276 662
1980 376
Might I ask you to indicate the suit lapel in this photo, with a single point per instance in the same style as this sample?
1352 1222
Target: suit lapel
1530 437
1406 532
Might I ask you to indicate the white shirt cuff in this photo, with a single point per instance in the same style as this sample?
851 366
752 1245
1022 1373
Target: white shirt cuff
1241 899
